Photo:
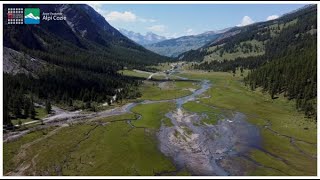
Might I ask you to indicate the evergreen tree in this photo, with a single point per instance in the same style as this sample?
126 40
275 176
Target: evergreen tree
48 106
26 108
32 111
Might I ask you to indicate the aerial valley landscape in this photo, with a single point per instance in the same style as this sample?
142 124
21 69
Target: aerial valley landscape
84 98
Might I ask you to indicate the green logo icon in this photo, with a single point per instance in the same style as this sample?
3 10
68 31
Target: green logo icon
32 16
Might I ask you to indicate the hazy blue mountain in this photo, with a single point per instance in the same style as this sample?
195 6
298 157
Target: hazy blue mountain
176 46
148 38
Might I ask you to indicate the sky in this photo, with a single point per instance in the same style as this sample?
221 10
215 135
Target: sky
175 20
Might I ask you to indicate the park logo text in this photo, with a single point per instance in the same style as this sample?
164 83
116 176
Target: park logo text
18 16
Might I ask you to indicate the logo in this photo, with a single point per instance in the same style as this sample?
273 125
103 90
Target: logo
15 16
32 16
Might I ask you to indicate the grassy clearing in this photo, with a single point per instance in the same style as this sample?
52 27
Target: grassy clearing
229 92
112 150
134 73
152 91
142 74
17 121
239 52
270 161
266 172
298 164
162 66
186 84
212 114
123 117
308 148
40 114
91 149
152 114
11 149
159 77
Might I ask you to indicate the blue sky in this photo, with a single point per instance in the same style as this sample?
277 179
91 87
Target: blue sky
174 20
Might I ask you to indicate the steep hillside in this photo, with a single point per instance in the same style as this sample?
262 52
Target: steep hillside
73 62
176 46
84 34
288 63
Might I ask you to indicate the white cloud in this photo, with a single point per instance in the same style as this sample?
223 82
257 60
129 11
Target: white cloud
272 17
157 28
146 20
115 16
246 20
126 16
189 32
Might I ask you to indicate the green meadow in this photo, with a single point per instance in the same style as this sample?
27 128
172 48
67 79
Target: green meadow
230 93
127 145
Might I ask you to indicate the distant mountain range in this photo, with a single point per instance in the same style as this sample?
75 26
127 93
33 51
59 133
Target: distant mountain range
148 38
176 46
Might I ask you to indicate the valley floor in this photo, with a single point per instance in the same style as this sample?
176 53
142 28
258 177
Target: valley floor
212 126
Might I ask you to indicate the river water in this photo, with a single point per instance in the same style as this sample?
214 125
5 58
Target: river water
199 147
190 143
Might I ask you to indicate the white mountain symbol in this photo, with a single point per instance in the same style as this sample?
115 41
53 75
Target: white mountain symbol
30 15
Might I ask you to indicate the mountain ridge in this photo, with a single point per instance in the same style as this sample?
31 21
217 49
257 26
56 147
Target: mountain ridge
74 62
176 46
141 39
243 41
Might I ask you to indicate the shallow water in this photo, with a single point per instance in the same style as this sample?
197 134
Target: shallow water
205 85
200 147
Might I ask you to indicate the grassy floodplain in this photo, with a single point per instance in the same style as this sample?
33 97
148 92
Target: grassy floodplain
108 146
230 93
168 90
162 66
152 115
113 146
134 73
40 114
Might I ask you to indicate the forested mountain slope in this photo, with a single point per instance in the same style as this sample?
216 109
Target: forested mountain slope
248 41
79 59
85 35
288 65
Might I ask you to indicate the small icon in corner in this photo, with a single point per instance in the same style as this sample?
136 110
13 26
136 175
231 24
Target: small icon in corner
15 16
32 16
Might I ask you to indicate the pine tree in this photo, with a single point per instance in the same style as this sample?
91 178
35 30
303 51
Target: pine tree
32 111
17 108
48 107
26 108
